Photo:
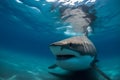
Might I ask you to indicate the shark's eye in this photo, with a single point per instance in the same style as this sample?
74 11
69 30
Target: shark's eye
70 44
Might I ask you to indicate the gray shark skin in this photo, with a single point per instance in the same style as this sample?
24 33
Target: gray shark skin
75 54
77 51
79 44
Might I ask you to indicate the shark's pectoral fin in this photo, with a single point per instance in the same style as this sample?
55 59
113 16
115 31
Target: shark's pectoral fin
101 72
52 66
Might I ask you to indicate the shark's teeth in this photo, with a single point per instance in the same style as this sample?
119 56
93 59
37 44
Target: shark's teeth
64 57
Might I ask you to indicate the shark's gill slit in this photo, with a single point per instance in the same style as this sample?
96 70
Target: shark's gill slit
63 57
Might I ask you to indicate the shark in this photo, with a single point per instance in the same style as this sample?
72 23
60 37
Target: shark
79 16
75 54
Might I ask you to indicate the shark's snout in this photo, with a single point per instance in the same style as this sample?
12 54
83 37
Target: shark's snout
53 44
61 53
56 44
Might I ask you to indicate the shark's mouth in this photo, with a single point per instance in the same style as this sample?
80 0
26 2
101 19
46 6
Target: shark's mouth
64 57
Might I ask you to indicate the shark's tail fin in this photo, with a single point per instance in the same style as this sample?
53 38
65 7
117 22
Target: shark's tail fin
101 72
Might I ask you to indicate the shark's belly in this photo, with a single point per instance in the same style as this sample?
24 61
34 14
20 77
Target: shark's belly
76 63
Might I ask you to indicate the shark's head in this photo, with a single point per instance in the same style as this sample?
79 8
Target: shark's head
75 53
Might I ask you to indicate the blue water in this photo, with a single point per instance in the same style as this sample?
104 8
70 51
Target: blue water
27 27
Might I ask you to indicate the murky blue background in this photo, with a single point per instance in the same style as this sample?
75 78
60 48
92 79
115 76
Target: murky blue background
27 27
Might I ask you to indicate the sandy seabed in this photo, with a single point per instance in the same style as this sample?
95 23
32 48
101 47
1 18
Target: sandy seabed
19 67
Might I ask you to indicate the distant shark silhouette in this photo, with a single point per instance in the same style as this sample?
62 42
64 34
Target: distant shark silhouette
78 17
75 54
